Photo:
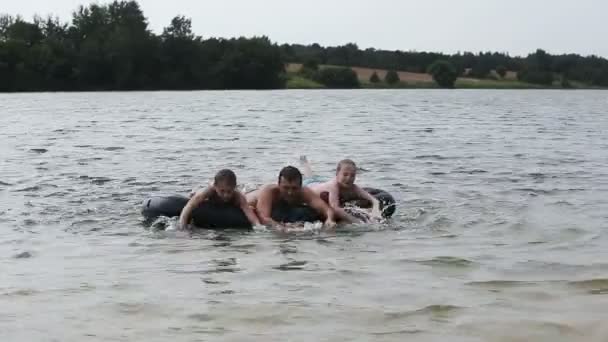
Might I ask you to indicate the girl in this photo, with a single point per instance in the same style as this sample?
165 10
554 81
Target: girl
340 189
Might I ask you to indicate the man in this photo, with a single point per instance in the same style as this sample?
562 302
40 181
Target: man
288 193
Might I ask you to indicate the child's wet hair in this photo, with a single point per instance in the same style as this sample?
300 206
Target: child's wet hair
225 176
345 162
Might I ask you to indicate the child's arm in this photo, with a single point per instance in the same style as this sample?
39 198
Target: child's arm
251 216
315 202
334 203
195 201
375 203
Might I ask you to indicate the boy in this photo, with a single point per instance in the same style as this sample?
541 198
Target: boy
223 190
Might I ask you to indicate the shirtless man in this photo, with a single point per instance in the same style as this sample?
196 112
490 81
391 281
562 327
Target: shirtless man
288 192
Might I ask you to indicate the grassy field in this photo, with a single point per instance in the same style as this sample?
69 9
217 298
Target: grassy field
295 81
494 84
411 80
366 84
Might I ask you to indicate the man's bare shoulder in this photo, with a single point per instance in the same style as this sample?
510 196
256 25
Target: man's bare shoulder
309 193
326 186
268 187
267 190
253 196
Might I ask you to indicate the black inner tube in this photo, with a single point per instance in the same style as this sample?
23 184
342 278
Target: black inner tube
219 215
291 214
387 202
169 206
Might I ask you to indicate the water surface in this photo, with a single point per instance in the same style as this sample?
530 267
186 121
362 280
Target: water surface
500 233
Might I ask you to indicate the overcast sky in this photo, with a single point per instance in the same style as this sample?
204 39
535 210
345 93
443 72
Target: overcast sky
514 26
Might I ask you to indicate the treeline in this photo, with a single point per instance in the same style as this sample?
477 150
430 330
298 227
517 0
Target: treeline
110 47
538 67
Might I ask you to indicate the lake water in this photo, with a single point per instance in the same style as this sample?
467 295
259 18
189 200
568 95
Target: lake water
500 232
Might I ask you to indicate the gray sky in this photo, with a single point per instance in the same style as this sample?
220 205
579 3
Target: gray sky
514 26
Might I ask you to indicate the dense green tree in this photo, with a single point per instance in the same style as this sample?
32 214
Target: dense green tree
180 28
338 78
311 64
536 76
109 46
443 73
252 63
480 71
6 21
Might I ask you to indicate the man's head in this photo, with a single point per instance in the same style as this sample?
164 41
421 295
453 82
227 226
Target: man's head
290 183
225 184
346 172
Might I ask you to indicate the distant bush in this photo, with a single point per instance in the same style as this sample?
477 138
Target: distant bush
311 64
392 77
309 68
374 78
501 70
338 78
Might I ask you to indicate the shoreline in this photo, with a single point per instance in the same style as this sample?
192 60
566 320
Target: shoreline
466 86
404 88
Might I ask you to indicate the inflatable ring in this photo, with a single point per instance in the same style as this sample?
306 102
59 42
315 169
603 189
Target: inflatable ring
220 216
387 201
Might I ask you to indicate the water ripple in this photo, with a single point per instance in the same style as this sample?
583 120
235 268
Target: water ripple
500 219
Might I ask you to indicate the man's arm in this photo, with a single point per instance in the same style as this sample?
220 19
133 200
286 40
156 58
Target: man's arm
252 197
264 206
315 202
